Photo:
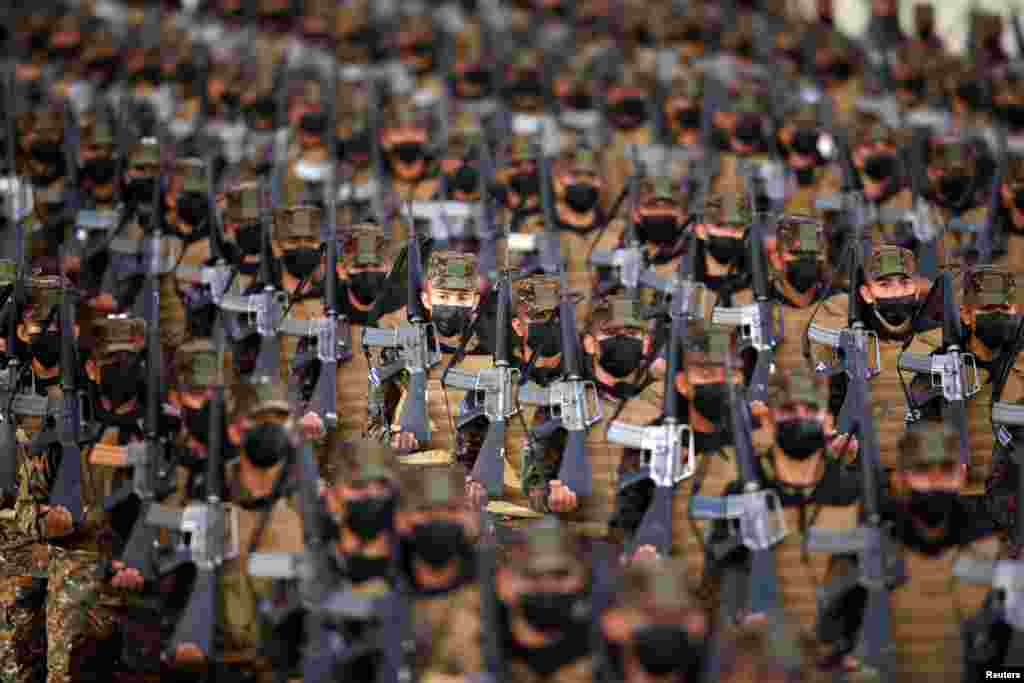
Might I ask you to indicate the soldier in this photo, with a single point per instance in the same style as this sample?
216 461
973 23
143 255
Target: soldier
450 295
656 628
1011 212
720 261
578 211
888 300
744 143
189 212
363 498
539 343
519 181
266 520
405 138
438 530
955 190
801 141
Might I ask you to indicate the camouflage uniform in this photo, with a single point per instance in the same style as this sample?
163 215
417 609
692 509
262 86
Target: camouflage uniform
445 270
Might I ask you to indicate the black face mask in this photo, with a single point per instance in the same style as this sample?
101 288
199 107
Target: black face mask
450 320
880 166
250 238
725 250
408 152
267 444
840 71
579 102
1018 199
301 262
46 349
690 118
748 130
355 148
664 648
802 274
804 176
439 541
525 184
710 400
995 330
139 191
48 153
546 611
658 229
621 356
972 93
915 86
366 286
801 438
360 568
581 197
525 90
193 208
119 383
896 310
805 142
100 171
1012 114
629 113
465 180
544 338
932 507
369 517
953 188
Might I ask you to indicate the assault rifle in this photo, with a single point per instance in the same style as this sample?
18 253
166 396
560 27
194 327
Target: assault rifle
497 384
670 459
761 323
206 523
758 512
880 568
954 371
418 347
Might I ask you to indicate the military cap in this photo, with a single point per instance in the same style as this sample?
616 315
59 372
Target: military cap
453 270
550 549
921 446
520 149
99 131
193 172
42 293
618 312
951 153
924 11
268 397
197 365
797 386
434 486
889 260
689 83
538 294
710 345
8 272
117 333
800 234
364 244
728 209
367 460
146 153
660 187
660 584
297 222
243 203
585 161
990 286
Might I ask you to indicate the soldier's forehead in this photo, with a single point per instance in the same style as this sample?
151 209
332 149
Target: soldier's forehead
444 291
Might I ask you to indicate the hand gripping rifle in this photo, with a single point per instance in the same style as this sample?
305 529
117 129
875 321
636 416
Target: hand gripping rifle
760 324
954 371
499 405
880 567
671 460
758 511
1005 604
206 523
417 344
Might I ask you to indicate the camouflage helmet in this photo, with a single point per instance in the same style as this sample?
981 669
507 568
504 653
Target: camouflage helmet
584 160
797 386
728 209
990 286
364 245
710 345
42 294
193 175
618 312
549 548
925 445
197 365
801 234
952 154
98 132
520 149
115 333
297 223
659 584
145 154
889 260
537 294
243 203
364 460
453 270
435 486
267 397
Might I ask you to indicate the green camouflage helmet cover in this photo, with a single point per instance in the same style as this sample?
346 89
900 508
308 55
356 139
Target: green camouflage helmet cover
889 260
930 445
990 286
538 294
453 270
